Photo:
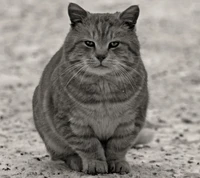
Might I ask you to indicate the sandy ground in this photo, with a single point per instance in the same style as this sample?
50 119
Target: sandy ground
31 32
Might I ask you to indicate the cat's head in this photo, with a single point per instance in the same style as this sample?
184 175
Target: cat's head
102 43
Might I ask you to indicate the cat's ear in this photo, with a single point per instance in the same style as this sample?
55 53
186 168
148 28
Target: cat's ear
130 16
76 13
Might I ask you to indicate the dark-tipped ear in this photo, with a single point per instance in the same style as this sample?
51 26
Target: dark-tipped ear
76 13
130 16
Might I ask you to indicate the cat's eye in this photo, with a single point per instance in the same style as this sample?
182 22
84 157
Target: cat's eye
90 44
114 44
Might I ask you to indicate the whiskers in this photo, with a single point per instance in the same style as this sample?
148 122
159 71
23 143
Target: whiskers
125 78
67 70
79 70
128 75
131 69
71 68
84 72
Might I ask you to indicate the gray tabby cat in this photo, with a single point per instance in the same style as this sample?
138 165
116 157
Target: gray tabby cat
91 101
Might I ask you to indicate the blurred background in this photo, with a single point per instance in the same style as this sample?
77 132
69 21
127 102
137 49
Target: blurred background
32 31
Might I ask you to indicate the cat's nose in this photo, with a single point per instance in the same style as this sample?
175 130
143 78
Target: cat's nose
100 57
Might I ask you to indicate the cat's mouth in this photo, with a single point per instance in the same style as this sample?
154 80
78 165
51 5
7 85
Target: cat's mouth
101 66
100 69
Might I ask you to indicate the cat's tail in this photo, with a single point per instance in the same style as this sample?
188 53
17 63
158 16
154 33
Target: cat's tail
146 135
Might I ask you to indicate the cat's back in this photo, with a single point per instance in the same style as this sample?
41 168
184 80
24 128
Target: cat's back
41 97
45 80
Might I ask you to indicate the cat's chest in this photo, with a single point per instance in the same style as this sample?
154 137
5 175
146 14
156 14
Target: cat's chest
106 118
104 126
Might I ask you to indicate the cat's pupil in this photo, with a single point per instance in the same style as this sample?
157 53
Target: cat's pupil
113 44
90 43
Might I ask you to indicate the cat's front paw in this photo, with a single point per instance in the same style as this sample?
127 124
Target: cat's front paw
118 166
74 162
95 167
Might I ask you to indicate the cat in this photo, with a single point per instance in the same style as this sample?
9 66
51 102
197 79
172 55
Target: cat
91 101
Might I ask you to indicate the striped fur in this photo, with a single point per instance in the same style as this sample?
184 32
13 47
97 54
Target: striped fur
87 115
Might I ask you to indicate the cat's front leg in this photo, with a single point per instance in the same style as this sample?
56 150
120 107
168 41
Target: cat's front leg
93 157
116 150
91 152
121 142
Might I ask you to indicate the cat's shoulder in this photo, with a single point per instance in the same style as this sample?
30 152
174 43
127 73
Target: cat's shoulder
55 60
51 66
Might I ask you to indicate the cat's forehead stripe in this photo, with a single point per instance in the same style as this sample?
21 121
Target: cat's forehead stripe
102 26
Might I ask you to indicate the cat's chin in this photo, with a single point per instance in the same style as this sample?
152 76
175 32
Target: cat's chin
100 70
